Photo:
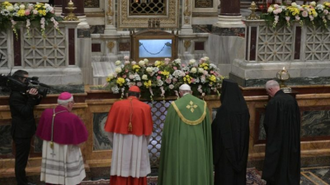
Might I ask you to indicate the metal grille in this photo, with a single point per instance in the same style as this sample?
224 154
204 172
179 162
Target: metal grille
158 111
147 7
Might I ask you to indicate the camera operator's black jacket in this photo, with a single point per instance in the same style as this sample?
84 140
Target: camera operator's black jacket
21 108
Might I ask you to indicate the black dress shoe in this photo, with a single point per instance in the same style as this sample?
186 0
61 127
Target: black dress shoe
30 183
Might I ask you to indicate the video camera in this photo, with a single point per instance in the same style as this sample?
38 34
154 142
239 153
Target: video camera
16 85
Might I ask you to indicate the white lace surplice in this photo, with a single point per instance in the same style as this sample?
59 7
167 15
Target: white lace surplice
130 156
62 165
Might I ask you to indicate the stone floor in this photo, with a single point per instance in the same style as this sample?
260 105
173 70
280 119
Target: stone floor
309 176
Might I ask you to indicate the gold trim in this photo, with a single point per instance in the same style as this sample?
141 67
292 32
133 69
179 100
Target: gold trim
110 46
189 122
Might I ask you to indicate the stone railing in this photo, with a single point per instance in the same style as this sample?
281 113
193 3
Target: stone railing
303 50
49 57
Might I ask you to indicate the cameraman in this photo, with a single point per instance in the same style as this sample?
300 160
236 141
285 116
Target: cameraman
22 103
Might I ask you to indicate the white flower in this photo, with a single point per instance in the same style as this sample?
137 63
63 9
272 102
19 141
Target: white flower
115 89
200 70
133 63
155 70
213 66
193 70
277 11
10 8
111 76
118 62
192 61
149 69
177 61
118 69
144 77
203 79
319 7
206 58
141 63
126 57
178 73
137 77
270 9
22 7
171 86
313 3
146 61
297 17
160 82
294 4
5 12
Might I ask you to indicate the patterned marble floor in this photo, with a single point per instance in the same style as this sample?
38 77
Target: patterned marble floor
315 175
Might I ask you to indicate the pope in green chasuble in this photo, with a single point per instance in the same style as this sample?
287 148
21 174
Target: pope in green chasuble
186 151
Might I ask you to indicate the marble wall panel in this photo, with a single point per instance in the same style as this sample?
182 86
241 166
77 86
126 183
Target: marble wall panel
315 123
100 137
5 140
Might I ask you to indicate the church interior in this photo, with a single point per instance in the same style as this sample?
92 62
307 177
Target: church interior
79 55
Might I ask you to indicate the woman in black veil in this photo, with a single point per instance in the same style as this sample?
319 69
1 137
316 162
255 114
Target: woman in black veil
230 136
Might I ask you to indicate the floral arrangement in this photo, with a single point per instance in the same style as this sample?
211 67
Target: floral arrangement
311 14
163 78
39 13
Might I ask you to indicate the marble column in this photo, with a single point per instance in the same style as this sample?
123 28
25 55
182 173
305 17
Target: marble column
187 17
84 43
110 28
229 16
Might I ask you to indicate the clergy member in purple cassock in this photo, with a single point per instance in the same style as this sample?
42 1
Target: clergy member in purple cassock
62 132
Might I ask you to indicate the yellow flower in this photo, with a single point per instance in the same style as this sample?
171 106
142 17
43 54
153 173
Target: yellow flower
212 78
294 10
6 3
158 63
165 73
21 13
147 83
204 66
42 12
136 68
187 79
120 81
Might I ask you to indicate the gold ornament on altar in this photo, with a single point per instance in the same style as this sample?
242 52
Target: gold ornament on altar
71 16
282 76
253 15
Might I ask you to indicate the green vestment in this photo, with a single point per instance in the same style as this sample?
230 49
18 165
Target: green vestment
186 150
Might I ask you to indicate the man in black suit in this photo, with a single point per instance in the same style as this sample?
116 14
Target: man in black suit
21 104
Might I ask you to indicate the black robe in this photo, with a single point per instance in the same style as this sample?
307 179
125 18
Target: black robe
282 126
230 136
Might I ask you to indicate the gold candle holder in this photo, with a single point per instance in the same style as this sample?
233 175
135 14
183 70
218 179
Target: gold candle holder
283 75
253 15
71 16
